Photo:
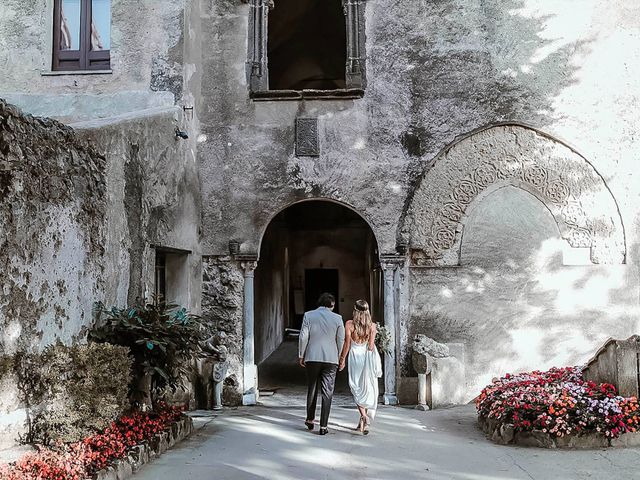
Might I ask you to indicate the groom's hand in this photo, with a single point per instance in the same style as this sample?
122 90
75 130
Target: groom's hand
301 362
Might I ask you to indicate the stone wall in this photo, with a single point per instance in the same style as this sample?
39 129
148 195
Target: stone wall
437 72
91 204
222 307
617 362
440 72
80 212
515 301
479 64
53 201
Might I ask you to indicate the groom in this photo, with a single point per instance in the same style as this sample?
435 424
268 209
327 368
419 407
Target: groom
321 339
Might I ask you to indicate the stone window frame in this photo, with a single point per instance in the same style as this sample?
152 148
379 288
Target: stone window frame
174 268
81 60
257 66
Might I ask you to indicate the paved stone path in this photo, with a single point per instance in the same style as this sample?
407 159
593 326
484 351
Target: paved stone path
270 442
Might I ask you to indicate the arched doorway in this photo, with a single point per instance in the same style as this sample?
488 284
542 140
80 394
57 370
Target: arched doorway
308 248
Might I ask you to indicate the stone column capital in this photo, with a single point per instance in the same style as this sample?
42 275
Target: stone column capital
391 262
248 264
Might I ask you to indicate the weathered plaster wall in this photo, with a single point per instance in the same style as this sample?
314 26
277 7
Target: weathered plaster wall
513 302
53 200
79 212
436 72
82 211
154 200
148 63
524 223
480 63
58 261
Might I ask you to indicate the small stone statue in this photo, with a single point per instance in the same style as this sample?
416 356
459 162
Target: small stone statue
217 351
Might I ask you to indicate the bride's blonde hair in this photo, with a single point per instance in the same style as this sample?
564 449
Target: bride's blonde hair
361 320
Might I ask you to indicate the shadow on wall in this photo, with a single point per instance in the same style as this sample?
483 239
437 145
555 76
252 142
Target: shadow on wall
497 59
514 301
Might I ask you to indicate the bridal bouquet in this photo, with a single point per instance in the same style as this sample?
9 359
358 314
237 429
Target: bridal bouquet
383 341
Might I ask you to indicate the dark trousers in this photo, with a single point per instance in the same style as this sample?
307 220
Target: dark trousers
321 376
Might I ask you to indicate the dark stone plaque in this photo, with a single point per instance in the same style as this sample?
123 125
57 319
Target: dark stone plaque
307 144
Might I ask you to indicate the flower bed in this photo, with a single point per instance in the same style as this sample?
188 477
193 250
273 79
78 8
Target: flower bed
544 408
86 458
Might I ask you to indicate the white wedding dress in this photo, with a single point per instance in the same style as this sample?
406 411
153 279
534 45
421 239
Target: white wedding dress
365 367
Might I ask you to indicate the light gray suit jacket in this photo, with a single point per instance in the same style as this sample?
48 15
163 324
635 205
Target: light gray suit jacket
321 336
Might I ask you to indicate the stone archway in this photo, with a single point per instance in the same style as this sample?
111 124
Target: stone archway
311 237
569 186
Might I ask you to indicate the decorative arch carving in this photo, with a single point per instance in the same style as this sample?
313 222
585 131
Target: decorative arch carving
578 197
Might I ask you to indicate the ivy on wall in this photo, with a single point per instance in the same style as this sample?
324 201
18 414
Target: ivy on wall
70 392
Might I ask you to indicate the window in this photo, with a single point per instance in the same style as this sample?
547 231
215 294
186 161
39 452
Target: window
313 48
307 45
81 34
171 278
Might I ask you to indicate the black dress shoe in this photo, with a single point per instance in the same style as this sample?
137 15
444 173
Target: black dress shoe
324 430
309 424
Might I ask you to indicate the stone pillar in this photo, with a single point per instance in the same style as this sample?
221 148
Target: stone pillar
250 370
388 267
423 387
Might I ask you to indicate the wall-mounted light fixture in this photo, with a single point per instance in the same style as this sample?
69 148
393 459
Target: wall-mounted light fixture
181 134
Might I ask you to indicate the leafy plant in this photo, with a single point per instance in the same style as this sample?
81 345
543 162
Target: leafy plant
383 340
164 339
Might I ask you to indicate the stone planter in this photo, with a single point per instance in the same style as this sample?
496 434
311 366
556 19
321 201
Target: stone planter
146 451
505 434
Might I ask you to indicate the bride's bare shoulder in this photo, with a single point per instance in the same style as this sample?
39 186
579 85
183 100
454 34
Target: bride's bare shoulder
349 323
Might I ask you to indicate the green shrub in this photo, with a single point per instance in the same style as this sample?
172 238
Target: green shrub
165 341
70 392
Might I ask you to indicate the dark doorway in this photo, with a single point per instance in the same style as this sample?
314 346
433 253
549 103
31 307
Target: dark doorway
318 281
309 248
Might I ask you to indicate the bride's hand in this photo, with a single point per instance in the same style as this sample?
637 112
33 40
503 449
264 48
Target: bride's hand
341 367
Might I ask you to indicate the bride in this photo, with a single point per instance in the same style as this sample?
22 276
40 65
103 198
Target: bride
365 365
